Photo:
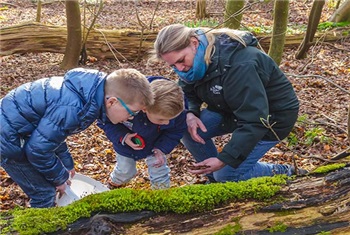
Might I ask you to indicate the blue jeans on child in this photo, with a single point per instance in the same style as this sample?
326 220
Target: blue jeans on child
41 192
249 168
125 170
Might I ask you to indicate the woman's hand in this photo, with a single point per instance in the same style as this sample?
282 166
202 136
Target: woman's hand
193 123
207 166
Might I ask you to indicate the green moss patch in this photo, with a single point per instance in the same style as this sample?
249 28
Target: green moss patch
328 168
188 199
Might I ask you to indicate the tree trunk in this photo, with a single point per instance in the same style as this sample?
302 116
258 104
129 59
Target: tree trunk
233 13
38 11
201 12
34 37
314 19
74 35
280 22
342 14
309 205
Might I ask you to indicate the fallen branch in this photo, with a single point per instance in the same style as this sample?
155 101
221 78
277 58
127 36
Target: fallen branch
318 76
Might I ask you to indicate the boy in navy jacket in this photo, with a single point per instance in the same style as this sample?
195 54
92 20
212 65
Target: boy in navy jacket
37 117
151 134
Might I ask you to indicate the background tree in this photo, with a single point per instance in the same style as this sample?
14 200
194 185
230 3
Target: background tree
38 11
342 14
280 16
314 19
201 9
233 13
74 35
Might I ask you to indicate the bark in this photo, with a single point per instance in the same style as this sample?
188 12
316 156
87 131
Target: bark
280 22
38 11
123 44
314 19
342 14
201 9
233 13
314 204
74 35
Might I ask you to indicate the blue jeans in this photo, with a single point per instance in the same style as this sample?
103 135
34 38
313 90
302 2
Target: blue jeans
125 170
251 167
41 192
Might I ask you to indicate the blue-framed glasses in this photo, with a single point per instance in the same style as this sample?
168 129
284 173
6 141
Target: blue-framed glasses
131 113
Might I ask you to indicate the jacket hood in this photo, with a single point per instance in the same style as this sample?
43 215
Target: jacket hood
84 82
248 37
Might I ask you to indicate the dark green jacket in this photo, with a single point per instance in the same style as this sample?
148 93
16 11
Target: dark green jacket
245 85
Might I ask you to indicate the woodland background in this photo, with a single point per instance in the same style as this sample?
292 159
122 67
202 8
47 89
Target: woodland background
321 80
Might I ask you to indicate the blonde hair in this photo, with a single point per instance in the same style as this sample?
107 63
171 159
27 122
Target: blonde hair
168 98
176 37
130 85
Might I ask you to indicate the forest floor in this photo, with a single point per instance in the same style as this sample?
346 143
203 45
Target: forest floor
319 135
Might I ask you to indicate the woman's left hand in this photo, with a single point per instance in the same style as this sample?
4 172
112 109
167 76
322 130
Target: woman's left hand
207 166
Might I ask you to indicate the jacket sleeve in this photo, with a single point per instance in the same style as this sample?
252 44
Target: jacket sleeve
193 103
249 104
171 136
64 155
46 142
114 132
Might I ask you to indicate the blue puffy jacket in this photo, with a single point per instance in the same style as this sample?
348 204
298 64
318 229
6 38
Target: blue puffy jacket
162 137
37 117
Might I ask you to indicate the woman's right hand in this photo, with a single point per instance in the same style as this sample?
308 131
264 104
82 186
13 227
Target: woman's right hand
193 123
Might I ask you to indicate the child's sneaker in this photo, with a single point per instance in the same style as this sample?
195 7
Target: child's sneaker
112 185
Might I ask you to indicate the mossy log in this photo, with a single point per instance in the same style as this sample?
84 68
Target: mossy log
318 203
102 43
314 204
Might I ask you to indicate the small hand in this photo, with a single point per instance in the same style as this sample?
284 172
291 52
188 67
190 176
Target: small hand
128 141
193 123
207 166
72 173
159 155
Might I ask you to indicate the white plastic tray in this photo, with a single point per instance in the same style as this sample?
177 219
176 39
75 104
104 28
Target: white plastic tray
81 186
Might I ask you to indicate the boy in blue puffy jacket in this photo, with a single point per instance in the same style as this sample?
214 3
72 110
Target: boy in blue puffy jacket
38 116
151 134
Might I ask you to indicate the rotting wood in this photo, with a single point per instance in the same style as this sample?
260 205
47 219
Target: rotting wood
36 37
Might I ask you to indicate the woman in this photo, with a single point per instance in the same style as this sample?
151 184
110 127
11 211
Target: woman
245 93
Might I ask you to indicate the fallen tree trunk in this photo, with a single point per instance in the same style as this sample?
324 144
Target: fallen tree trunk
309 205
123 44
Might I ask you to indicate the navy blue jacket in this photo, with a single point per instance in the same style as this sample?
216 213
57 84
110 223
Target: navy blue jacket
37 117
162 137
244 85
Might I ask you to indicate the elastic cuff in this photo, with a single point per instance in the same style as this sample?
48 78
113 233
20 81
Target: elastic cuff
197 114
123 140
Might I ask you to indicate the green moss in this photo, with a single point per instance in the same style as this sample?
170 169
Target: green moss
230 229
278 227
328 168
193 198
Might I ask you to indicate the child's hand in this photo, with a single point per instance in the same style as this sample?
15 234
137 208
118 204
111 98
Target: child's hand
128 141
160 156
71 173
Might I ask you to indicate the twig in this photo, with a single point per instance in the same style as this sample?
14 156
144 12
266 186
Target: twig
9 4
341 155
338 48
320 158
318 76
111 48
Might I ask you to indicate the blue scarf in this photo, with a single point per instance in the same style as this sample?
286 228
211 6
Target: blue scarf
199 66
